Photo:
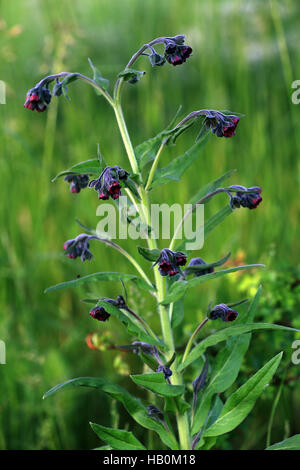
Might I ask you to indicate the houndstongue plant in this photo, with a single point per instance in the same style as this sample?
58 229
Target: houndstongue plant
183 378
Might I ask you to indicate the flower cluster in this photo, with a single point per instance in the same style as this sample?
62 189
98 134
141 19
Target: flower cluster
38 99
245 197
223 312
197 268
77 182
176 52
222 125
169 261
99 313
109 182
78 246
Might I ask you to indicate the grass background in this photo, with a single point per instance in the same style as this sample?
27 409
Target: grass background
246 56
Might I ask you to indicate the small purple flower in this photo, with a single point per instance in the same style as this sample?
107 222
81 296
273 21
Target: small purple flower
222 125
166 371
108 184
169 261
176 52
223 312
78 246
99 313
250 199
198 262
38 99
77 182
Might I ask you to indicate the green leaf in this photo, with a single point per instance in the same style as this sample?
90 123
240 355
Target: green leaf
226 333
129 183
176 404
175 170
179 288
97 77
208 227
133 406
229 360
131 75
292 443
117 438
241 402
210 187
150 255
157 384
109 276
134 327
89 167
177 313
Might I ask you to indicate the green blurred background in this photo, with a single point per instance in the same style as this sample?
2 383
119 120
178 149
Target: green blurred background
246 55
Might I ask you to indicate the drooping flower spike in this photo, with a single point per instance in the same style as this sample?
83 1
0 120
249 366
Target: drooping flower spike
245 197
169 261
223 312
38 99
176 52
77 182
222 125
109 182
79 246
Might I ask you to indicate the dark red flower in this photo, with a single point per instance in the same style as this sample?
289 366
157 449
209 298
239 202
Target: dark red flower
99 313
176 52
222 125
223 312
38 99
169 261
251 198
108 184
77 182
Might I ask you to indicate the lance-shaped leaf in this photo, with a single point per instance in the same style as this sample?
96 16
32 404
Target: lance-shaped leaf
133 406
117 438
150 255
229 359
292 443
213 222
210 187
108 276
132 325
89 167
226 333
157 384
241 402
175 170
97 77
179 288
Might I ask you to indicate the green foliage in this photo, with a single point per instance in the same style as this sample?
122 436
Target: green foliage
117 438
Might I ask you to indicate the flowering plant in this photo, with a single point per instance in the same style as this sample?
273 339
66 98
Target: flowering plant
184 381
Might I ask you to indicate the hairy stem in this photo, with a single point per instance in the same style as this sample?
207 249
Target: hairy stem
191 340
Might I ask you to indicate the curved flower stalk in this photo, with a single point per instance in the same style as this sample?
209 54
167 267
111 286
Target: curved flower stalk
188 420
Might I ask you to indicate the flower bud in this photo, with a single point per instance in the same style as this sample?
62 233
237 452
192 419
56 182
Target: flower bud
223 312
99 313
166 371
77 182
198 262
78 246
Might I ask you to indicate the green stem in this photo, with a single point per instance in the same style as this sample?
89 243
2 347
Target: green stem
125 136
154 165
191 340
